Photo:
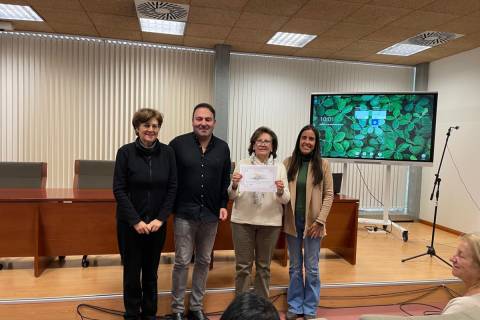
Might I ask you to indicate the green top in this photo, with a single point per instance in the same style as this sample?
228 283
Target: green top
301 194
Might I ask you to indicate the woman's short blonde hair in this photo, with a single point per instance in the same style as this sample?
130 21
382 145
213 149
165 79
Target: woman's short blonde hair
473 240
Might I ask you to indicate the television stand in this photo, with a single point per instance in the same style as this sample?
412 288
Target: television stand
385 222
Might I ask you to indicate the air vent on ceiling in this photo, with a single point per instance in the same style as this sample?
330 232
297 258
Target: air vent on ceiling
432 38
162 10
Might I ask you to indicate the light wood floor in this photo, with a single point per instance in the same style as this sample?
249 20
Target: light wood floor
378 260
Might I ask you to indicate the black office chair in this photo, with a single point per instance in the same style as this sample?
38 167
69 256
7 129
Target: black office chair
93 174
23 175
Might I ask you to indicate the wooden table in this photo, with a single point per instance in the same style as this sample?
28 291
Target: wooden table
46 223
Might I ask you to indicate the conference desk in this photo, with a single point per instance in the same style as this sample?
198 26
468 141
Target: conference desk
46 223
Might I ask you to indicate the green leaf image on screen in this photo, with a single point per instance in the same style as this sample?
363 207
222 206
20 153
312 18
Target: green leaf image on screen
376 126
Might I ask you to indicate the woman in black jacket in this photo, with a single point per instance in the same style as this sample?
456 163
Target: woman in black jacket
144 185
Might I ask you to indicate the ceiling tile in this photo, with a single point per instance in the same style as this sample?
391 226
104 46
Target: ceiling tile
376 15
408 4
114 7
466 42
312 52
244 46
115 22
456 7
329 43
347 56
278 50
68 28
307 26
250 35
260 21
64 16
162 38
366 47
213 16
392 34
57 4
462 25
422 19
19 2
356 1
413 60
274 7
381 58
349 30
207 31
201 42
31 26
327 10
115 33
220 4
346 29
441 52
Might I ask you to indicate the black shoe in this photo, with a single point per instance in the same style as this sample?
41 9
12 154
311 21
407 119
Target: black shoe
197 315
175 316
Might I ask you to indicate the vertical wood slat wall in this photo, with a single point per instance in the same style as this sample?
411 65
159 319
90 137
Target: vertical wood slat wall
65 98
275 92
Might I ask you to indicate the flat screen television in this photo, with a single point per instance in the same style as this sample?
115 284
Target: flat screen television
391 128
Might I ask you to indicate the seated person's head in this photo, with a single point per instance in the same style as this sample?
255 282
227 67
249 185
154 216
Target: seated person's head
249 306
466 261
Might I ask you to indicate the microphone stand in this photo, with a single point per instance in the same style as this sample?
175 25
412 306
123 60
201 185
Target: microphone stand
436 185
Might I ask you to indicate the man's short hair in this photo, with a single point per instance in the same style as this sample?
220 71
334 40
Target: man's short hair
204 105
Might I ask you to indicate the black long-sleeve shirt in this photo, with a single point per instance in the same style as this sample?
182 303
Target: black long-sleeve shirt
203 178
144 182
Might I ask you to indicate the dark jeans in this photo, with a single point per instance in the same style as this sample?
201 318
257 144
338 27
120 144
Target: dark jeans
140 255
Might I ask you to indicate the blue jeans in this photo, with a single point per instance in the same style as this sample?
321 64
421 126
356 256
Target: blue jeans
303 296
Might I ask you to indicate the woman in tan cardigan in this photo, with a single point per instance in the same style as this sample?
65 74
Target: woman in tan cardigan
311 196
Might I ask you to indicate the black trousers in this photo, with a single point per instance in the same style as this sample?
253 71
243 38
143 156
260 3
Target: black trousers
140 255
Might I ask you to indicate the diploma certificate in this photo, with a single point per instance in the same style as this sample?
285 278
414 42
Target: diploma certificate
258 178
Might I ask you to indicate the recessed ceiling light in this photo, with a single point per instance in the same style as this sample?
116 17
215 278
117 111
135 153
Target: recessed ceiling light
16 12
291 39
403 49
162 26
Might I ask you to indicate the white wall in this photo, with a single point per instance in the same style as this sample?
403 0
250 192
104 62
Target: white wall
457 80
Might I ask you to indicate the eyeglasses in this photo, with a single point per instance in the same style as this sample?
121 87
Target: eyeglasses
148 125
263 142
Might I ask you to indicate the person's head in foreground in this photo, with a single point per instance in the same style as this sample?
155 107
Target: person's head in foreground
466 267
466 262
249 306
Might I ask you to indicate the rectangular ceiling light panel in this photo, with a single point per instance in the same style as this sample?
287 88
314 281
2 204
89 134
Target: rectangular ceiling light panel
162 26
17 12
403 49
291 39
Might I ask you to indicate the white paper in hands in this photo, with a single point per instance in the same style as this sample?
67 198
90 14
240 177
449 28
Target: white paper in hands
258 178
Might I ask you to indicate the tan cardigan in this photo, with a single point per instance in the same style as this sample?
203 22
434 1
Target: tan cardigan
319 200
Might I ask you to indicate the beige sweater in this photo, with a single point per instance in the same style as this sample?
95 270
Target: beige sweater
269 212
461 303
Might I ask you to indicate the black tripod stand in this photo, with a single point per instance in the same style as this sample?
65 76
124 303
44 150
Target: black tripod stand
436 185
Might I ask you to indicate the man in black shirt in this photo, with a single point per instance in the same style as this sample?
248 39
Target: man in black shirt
203 165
